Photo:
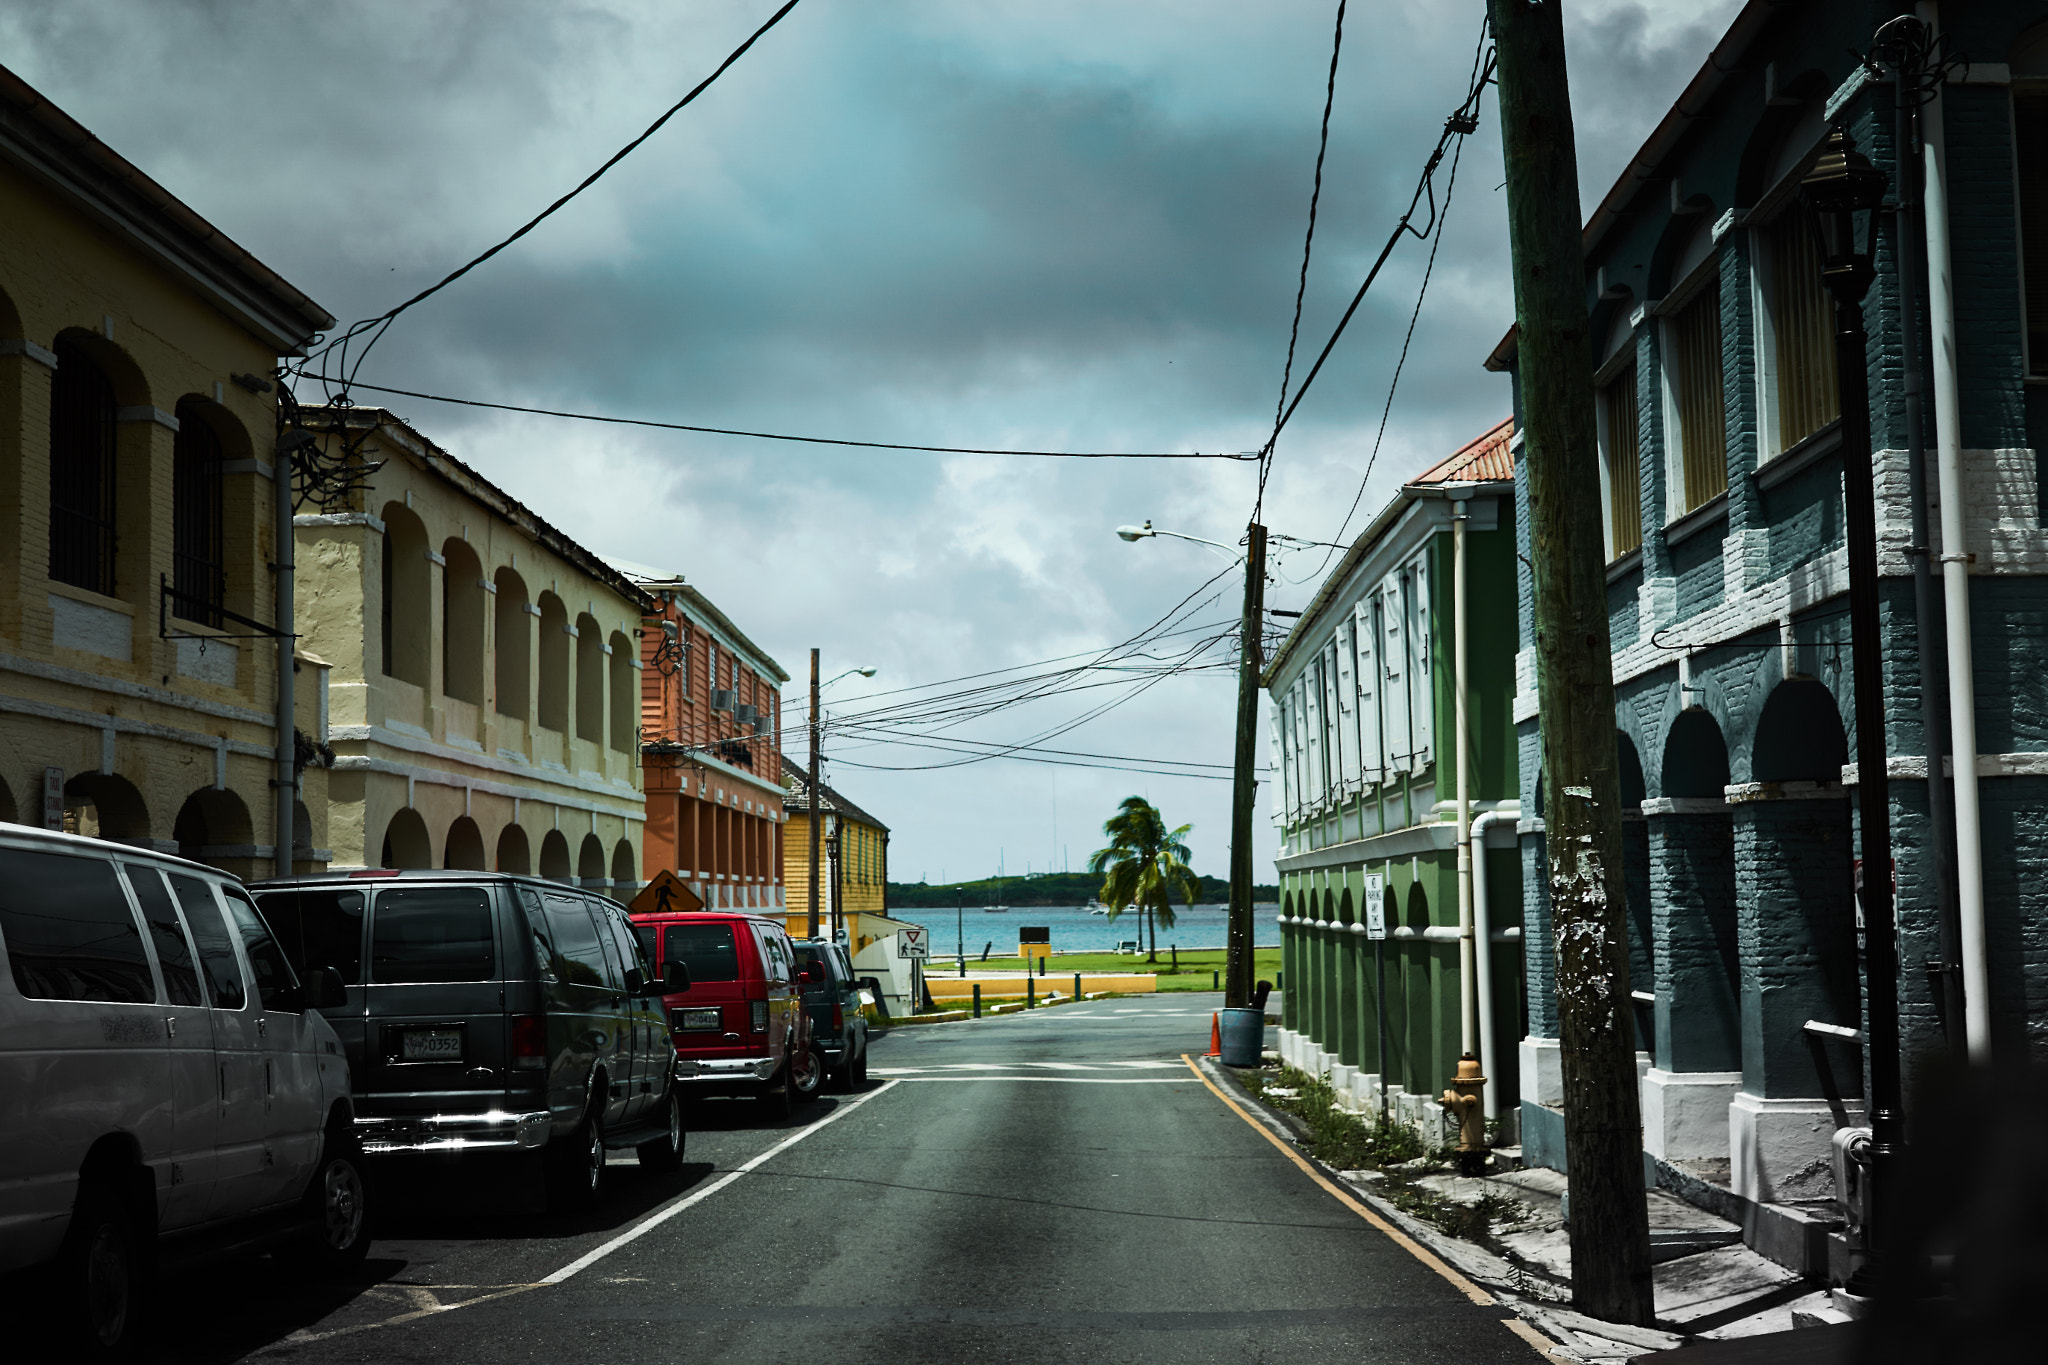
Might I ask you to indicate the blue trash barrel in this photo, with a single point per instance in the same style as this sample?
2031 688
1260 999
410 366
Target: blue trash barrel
1244 1036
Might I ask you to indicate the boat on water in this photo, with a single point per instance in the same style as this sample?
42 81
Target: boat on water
995 909
1096 908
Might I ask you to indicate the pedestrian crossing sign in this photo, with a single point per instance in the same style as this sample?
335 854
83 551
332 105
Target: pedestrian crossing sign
914 944
666 894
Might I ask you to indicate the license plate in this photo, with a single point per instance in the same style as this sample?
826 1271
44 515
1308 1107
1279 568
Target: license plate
430 1045
697 1021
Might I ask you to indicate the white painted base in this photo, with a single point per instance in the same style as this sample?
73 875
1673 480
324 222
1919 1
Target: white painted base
1782 1149
1341 1077
1685 1113
1542 1071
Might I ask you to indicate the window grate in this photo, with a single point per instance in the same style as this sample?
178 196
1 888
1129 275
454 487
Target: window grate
1696 379
82 447
199 571
1624 464
1802 317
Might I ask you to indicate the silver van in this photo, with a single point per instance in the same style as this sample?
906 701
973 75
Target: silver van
166 1084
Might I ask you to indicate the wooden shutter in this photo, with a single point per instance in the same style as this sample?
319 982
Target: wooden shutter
1696 382
1802 320
1372 759
1624 465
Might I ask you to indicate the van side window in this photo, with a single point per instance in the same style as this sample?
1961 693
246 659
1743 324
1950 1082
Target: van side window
69 932
173 953
276 987
630 955
777 957
608 943
644 935
706 949
432 934
576 940
543 937
210 936
318 929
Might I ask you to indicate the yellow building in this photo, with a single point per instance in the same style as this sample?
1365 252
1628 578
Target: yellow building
485 699
855 849
139 522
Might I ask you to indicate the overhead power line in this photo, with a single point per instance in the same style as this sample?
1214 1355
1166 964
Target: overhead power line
803 440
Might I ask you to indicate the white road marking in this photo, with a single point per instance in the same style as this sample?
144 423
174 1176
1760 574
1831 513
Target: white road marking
1056 1080
656 1219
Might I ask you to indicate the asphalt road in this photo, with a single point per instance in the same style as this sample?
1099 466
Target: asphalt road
1044 1186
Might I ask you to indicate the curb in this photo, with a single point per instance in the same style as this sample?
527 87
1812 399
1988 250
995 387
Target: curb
958 1016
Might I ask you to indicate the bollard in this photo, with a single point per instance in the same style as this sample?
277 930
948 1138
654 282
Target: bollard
977 1000
1077 985
1030 992
1215 980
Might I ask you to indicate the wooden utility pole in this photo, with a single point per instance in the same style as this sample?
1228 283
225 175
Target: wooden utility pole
1610 1233
817 808
1237 979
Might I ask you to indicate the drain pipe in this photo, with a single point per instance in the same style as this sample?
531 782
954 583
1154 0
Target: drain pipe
1468 991
1506 812
1955 579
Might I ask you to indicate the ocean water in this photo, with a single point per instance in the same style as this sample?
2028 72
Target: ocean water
1075 930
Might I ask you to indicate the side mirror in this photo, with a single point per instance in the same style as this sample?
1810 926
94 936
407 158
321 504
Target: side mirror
324 990
675 977
810 976
636 984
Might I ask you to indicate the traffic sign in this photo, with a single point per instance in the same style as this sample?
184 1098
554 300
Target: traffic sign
665 894
914 944
1375 905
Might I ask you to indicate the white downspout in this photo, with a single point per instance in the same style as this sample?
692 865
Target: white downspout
1475 852
1468 957
1955 581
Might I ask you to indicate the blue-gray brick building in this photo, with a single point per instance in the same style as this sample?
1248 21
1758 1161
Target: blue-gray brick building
1721 472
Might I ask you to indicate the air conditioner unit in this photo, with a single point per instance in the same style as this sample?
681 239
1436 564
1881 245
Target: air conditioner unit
747 715
721 698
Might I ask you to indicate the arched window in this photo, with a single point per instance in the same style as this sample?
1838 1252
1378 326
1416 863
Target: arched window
198 551
589 679
82 428
462 623
554 663
514 646
404 599
625 696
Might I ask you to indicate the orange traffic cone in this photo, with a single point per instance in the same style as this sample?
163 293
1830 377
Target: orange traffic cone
1215 1036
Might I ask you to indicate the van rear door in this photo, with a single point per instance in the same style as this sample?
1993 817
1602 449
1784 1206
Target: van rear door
434 1025
711 1018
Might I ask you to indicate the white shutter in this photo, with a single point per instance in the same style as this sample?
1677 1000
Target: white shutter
1372 760
1298 748
1347 708
1422 706
1276 765
1394 672
1318 731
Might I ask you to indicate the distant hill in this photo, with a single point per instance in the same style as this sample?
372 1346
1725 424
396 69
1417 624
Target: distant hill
1046 888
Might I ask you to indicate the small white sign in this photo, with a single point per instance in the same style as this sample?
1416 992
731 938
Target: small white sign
1375 905
914 944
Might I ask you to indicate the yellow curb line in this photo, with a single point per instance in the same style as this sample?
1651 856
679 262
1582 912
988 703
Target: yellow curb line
1471 1291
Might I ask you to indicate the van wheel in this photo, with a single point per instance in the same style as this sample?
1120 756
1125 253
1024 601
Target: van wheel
666 1153
860 1070
807 1074
576 1166
338 1199
774 1100
102 1266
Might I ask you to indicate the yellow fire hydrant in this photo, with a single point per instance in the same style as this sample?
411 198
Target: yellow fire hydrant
1462 1103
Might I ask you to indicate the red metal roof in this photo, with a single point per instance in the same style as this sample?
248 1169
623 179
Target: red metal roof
1486 460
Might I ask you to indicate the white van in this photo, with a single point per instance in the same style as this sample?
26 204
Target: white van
165 1080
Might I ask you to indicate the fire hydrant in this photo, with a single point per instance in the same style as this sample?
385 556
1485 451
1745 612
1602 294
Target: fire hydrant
1462 1103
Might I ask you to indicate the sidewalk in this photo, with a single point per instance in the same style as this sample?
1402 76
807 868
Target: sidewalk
1708 1286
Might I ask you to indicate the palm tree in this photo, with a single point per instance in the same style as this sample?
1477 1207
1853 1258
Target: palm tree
1145 865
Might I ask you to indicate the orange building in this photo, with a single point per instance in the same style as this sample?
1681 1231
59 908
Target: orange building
710 712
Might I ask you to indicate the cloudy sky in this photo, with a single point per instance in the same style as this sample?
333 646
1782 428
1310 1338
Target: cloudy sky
1041 224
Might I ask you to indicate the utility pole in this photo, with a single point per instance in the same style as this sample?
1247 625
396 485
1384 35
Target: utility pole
1237 978
817 807
1610 1232
285 785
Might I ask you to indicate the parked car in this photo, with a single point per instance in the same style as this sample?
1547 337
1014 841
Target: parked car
741 1028
832 998
485 1013
166 1084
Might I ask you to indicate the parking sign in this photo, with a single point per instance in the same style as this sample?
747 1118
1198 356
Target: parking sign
914 944
1375 905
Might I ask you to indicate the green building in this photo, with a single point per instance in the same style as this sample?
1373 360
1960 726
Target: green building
1364 741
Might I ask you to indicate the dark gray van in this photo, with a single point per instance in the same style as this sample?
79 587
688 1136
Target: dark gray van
491 1013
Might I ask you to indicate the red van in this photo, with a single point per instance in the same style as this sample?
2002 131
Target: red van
741 1027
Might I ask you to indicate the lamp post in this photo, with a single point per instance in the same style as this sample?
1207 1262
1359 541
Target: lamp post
815 805
1844 191
1244 787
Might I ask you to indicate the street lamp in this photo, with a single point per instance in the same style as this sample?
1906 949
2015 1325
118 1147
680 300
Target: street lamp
1244 788
1843 191
815 815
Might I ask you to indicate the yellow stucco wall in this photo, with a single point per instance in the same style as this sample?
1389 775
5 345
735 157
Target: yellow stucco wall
863 866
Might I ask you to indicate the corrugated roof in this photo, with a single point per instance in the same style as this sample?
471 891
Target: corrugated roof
1490 459
797 795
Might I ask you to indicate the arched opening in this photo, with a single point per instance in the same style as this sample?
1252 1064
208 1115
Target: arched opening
198 517
625 725
514 646
514 855
590 860
8 814
465 847
589 679
1635 877
554 856
462 623
625 866
213 825
84 450
1692 857
405 841
1348 998
554 663
303 851
105 806
404 602
1799 737
2028 60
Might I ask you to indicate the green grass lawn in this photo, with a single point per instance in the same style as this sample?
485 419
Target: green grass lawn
1192 973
